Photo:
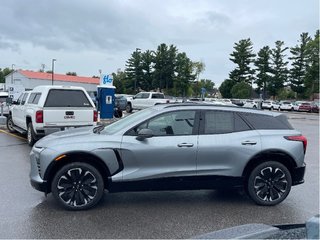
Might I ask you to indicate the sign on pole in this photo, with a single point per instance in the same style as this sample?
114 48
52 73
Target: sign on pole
106 80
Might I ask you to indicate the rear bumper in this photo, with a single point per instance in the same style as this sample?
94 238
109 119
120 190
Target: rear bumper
48 130
298 175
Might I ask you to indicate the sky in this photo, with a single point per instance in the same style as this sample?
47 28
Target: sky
85 36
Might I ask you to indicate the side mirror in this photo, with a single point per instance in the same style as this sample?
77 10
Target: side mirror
144 133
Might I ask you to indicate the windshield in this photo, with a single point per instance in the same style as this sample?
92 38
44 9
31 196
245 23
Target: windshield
127 121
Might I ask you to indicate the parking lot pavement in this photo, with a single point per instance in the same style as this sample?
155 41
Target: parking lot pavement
27 213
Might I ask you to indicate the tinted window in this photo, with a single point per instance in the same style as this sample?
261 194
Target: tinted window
67 98
239 124
259 121
23 101
34 98
157 95
172 123
218 122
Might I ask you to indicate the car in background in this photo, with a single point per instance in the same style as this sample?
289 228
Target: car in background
3 103
305 107
120 104
251 104
237 102
286 105
271 105
315 107
172 147
296 105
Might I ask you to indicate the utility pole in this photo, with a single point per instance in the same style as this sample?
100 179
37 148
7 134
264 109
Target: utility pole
53 60
12 66
136 77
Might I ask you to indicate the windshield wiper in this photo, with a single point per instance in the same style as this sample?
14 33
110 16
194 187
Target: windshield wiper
98 129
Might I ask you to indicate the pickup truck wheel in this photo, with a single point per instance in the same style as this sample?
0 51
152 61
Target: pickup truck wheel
77 186
128 108
269 183
10 124
31 136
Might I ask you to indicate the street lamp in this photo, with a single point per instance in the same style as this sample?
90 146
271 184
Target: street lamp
12 66
135 80
53 60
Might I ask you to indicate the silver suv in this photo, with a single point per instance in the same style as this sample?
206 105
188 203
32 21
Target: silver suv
172 147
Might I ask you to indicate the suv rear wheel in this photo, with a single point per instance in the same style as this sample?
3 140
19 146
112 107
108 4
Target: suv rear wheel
77 186
31 136
128 108
269 183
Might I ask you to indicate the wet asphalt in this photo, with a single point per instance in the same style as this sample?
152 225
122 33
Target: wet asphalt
27 213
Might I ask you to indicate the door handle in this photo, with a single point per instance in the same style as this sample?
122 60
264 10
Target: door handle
249 143
185 145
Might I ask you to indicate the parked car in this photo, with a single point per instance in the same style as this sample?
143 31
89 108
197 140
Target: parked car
47 109
286 105
120 105
305 107
271 105
237 102
315 107
251 104
296 105
172 147
3 103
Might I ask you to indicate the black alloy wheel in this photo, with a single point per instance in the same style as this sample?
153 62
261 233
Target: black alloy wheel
78 186
128 108
269 183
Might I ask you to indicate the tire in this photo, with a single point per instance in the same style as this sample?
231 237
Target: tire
271 109
10 124
269 183
254 106
31 136
118 113
77 186
128 108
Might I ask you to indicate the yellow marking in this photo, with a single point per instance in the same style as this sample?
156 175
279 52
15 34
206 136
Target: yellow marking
60 157
13 135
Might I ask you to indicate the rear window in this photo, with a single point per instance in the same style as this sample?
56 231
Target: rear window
67 98
157 95
259 121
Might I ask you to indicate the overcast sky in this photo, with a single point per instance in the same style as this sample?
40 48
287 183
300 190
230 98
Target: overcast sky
85 36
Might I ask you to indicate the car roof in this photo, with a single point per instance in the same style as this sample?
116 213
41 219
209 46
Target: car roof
48 87
204 106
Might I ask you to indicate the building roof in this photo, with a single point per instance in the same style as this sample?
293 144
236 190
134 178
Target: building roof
59 77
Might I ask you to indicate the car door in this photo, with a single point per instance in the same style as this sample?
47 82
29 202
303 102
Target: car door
17 111
170 153
226 144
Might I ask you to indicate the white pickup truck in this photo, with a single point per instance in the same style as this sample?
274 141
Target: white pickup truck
144 100
47 109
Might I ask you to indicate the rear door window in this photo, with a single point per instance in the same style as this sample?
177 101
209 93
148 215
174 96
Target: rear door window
34 98
67 98
259 121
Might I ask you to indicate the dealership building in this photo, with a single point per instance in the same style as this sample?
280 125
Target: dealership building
30 79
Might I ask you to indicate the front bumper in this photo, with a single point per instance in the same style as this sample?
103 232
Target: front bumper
41 186
298 175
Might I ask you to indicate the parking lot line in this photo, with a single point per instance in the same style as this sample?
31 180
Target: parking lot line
13 135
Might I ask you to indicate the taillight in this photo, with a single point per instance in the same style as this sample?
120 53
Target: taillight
39 116
95 116
300 138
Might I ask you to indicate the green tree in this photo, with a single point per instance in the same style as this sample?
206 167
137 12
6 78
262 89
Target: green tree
312 75
241 90
3 73
199 67
184 75
134 72
299 57
119 81
207 84
279 68
71 73
263 70
243 57
147 60
225 88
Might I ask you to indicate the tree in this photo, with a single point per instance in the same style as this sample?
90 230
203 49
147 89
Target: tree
71 73
119 81
263 69
206 84
225 88
134 72
184 74
199 67
3 73
243 57
312 75
279 68
299 64
241 90
147 60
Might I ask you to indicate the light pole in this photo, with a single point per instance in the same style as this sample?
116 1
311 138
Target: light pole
53 60
12 66
138 63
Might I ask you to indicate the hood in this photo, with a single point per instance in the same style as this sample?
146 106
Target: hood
66 137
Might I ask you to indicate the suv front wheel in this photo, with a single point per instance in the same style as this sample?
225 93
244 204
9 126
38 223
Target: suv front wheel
269 183
77 186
